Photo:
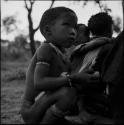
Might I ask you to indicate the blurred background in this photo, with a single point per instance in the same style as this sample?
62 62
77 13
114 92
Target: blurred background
20 37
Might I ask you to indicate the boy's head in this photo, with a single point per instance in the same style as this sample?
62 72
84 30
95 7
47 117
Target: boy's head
101 24
58 25
83 34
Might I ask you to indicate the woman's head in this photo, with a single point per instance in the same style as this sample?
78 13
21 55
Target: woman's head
100 24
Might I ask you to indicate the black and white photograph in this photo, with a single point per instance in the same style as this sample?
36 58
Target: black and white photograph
62 62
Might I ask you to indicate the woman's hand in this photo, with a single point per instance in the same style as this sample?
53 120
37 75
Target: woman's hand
85 78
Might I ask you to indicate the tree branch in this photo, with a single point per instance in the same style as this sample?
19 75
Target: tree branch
36 29
100 6
26 6
52 3
31 3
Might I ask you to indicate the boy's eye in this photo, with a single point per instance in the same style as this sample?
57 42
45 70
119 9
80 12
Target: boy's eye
75 26
66 24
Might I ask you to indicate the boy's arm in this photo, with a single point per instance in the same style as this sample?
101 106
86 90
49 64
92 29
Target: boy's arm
42 81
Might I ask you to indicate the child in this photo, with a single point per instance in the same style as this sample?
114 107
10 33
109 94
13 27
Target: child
87 56
88 52
58 25
83 34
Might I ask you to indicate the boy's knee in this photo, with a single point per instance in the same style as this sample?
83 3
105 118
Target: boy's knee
27 116
67 93
66 98
24 115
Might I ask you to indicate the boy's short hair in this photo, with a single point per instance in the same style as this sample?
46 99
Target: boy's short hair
51 15
100 23
86 29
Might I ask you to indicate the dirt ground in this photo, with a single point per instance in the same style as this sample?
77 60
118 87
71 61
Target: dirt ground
12 89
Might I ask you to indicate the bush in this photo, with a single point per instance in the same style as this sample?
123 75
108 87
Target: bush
13 55
18 74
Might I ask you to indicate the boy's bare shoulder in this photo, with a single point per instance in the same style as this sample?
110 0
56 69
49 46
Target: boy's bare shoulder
44 51
44 47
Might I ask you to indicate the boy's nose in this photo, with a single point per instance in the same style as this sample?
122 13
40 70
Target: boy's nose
73 33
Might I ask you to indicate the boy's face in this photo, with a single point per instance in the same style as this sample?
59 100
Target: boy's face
64 30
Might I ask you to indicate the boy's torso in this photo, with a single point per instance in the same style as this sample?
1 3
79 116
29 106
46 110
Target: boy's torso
59 62
57 66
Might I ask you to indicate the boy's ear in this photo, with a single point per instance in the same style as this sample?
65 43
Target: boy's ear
47 30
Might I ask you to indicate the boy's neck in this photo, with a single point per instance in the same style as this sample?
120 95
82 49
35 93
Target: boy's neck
59 47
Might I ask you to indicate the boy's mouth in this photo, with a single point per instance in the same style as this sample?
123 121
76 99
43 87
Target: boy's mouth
71 39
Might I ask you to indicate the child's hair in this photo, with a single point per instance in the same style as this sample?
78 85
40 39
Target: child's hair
86 29
52 14
100 23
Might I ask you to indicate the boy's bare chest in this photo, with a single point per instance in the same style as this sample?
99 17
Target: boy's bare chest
59 65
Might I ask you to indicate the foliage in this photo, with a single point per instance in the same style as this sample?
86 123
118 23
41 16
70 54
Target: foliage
9 23
117 25
15 50
104 8
21 41
18 74
14 70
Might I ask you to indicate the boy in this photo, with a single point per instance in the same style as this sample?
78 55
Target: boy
58 25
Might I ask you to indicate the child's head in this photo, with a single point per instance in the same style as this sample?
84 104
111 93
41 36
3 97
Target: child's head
101 24
58 25
83 34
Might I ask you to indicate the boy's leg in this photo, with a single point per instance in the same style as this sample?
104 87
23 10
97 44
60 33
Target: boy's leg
33 113
65 99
